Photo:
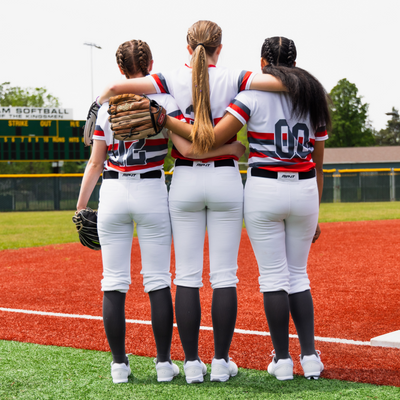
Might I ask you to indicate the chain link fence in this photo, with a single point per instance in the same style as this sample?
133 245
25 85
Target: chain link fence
60 191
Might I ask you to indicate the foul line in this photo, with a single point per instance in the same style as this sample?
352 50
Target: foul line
204 328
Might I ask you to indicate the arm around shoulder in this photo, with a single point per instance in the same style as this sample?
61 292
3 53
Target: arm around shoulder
185 148
267 83
136 86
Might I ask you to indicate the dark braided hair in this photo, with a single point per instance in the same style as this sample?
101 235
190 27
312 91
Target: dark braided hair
306 93
133 57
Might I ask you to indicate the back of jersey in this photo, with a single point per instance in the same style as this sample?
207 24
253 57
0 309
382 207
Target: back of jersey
278 139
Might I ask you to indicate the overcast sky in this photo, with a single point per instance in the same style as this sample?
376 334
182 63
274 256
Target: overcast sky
42 42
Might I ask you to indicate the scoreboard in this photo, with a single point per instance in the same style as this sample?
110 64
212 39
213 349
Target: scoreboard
42 140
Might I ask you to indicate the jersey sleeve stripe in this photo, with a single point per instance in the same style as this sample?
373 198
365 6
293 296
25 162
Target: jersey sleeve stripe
98 132
159 80
243 80
176 114
241 109
321 135
237 115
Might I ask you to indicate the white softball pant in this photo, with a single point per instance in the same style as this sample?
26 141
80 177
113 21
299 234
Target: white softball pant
281 218
201 196
144 201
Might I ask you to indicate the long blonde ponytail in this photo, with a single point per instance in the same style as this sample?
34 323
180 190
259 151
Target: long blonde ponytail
203 37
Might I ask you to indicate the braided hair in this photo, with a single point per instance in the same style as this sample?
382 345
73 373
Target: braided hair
203 37
134 57
306 93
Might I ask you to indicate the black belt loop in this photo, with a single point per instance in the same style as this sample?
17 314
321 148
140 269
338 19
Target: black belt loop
307 175
224 163
157 174
264 173
110 175
179 162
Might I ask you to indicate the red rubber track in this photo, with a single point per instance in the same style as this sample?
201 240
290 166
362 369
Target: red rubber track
354 273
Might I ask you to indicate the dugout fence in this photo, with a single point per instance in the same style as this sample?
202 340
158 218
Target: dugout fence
60 191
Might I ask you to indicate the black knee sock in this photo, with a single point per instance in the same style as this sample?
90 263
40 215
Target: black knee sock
224 312
188 316
162 319
302 311
276 307
114 324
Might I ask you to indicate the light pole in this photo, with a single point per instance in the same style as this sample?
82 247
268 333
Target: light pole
395 118
393 113
91 62
395 124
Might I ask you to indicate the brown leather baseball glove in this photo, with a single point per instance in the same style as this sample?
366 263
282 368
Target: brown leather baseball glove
135 117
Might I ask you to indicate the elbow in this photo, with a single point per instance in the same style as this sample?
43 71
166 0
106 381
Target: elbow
319 170
95 166
112 89
107 93
187 152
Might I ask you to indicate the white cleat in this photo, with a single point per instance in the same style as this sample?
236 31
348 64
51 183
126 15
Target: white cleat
221 370
166 371
281 369
312 365
120 372
195 371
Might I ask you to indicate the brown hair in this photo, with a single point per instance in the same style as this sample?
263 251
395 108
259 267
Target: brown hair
203 37
134 56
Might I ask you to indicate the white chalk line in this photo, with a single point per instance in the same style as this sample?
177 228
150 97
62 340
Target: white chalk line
205 328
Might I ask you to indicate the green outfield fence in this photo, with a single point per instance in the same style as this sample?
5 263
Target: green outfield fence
60 191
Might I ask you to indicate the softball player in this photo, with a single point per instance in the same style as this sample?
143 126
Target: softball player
204 194
134 189
282 194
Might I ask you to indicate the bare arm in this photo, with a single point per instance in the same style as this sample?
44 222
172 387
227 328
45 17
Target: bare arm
228 127
180 128
185 148
92 172
267 83
137 86
318 158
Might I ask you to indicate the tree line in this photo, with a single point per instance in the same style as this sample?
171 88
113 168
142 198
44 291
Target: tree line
351 126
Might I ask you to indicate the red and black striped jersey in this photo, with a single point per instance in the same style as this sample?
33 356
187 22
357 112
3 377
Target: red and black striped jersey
225 84
278 140
141 155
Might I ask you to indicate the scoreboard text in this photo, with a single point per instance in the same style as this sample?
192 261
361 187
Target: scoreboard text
42 140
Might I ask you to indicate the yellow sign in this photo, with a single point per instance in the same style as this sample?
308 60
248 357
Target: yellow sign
18 123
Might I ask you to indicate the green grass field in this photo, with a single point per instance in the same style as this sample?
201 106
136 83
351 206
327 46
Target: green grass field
29 229
30 371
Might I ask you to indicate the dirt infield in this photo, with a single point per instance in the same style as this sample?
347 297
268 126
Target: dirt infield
354 273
